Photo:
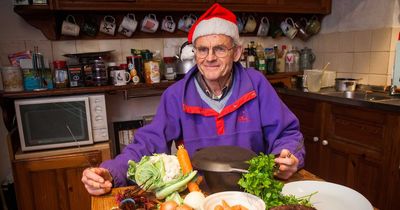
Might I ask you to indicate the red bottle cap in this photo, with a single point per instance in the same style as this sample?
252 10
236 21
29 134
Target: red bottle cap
58 64
123 66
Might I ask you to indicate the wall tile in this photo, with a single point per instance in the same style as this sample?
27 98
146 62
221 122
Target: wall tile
83 46
361 62
314 43
62 47
379 62
172 46
128 44
377 79
363 78
381 39
44 47
9 47
12 46
346 41
394 38
153 44
334 60
114 45
319 61
391 63
343 75
388 80
362 41
330 42
346 62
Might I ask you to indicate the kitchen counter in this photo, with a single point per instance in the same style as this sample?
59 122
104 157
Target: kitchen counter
107 202
381 101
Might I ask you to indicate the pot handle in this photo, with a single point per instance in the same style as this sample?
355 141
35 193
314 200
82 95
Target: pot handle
180 50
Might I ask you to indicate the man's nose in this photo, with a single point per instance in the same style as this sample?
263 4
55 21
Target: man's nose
211 55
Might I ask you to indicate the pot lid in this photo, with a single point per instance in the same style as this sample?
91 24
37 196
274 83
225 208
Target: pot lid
217 158
351 79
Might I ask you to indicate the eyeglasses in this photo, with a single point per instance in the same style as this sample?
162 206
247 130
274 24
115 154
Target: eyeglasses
220 51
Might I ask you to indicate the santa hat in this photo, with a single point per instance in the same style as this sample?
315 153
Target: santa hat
216 20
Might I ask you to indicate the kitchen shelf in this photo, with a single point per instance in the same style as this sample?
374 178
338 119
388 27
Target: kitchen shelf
48 18
84 90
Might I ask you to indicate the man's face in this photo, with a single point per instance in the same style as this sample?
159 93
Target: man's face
216 64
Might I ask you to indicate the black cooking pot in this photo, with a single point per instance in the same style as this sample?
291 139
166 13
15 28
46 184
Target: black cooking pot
210 159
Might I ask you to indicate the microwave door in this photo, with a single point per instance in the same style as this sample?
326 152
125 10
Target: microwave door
45 125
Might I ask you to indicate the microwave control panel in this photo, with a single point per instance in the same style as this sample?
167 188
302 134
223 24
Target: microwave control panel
99 117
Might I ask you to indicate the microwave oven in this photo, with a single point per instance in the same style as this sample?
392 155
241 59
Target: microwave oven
57 122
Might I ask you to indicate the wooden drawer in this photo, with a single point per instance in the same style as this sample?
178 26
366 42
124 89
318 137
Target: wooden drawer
357 126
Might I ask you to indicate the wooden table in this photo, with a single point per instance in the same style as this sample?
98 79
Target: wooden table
106 202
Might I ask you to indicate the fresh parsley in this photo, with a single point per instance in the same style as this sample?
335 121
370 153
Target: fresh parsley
260 181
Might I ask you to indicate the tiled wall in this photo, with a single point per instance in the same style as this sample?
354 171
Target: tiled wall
364 54
367 54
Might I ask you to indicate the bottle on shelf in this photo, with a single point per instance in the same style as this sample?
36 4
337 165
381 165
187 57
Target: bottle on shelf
280 60
151 68
251 56
260 61
292 60
271 60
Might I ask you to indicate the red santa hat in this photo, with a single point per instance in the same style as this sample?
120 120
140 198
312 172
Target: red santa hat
216 20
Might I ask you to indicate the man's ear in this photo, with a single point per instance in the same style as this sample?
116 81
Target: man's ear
238 53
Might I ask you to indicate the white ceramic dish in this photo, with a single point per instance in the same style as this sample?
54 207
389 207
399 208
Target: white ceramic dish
247 200
330 196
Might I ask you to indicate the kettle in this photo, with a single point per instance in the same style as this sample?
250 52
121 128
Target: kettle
307 58
185 59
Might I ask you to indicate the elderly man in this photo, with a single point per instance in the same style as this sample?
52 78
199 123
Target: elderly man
217 103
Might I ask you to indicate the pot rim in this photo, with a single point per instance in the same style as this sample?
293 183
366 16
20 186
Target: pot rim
349 79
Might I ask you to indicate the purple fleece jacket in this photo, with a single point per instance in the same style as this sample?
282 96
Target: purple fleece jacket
254 118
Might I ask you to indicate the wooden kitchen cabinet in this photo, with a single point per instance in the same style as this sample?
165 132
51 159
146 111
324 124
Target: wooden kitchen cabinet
54 181
49 18
352 146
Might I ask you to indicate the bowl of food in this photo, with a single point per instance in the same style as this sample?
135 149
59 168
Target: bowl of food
233 200
222 166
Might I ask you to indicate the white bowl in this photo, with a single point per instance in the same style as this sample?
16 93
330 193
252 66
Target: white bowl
247 200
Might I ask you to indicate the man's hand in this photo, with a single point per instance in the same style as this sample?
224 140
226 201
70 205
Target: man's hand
97 181
287 164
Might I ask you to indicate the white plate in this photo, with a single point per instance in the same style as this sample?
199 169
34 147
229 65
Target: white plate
247 200
330 196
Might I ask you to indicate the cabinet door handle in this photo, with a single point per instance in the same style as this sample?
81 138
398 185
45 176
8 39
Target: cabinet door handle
324 142
315 139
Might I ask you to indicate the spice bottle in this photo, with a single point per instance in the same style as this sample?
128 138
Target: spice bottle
151 69
111 67
260 62
60 73
12 79
170 68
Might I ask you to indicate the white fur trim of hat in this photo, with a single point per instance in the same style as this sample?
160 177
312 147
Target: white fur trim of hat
216 26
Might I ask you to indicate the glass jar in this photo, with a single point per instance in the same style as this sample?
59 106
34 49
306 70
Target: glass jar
12 79
151 69
170 68
60 73
111 67
99 72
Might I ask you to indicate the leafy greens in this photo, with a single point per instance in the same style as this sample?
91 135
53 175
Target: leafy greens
260 181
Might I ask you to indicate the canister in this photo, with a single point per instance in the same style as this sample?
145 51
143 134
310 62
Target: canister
31 77
12 79
60 73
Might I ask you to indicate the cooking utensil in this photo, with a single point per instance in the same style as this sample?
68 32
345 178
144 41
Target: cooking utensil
326 66
221 167
346 84
298 148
